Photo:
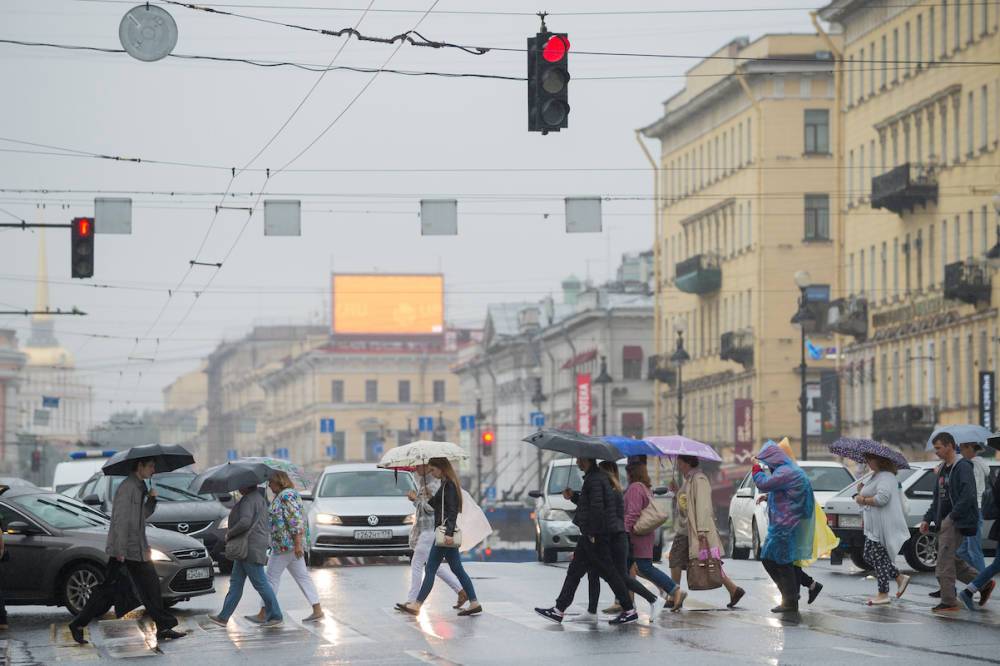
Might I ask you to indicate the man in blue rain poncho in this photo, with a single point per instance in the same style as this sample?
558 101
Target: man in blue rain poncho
791 517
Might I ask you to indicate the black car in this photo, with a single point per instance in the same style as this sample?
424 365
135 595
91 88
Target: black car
56 546
201 516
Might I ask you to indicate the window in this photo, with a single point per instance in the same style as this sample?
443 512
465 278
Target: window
850 178
944 372
956 370
633 424
337 391
336 450
931 379
984 122
850 80
971 28
908 376
779 85
439 391
850 274
631 362
920 40
817 123
984 216
871 68
908 251
404 390
885 381
749 142
885 270
970 370
970 131
944 137
365 483
862 66
861 273
371 390
805 86
895 379
871 266
930 36
739 143
895 55
958 24
958 238
817 217
931 272
970 223
885 58
944 28
895 267
906 49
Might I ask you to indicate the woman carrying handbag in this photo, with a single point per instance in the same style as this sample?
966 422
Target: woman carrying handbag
447 503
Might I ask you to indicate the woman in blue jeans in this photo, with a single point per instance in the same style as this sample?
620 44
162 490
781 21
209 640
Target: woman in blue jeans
984 582
447 503
249 521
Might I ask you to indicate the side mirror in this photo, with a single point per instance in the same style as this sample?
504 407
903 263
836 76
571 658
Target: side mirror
537 494
661 490
306 496
21 527
224 497
745 492
92 500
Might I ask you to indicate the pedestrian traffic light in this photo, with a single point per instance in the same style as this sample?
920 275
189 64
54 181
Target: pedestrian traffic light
36 460
548 82
82 247
486 442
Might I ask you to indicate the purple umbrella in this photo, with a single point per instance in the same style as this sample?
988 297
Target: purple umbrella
855 449
678 445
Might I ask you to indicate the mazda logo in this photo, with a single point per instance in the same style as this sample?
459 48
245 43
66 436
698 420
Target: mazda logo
194 554
373 520
182 527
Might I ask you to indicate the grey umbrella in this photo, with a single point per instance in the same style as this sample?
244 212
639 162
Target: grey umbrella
230 476
573 444
167 457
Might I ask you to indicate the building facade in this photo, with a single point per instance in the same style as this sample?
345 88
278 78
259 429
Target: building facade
185 413
920 150
11 365
746 182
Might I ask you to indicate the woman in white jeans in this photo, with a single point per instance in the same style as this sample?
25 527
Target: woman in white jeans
422 538
289 534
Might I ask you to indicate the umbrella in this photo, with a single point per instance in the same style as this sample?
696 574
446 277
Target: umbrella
294 472
855 449
230 476
632 447
994 441
573 444
420 452
678 445
962 434
168 457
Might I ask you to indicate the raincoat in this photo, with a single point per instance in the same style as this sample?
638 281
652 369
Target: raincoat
790 507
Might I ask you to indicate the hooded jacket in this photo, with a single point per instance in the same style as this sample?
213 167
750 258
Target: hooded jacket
791 507
960 504
596 510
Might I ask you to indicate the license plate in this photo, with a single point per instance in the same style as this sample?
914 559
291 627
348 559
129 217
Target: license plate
372 535
849 521
199 573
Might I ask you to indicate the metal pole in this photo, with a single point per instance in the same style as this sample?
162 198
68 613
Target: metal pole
802 392
680 401
604 409
479 450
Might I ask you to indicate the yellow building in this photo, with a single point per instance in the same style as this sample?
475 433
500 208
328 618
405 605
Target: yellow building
920 151
185 414
746 180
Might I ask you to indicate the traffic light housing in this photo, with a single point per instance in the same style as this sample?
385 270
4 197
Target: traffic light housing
548 82
486 439
82 247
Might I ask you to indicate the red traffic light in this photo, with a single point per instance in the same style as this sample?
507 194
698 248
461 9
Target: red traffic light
555 49
84 226
487 437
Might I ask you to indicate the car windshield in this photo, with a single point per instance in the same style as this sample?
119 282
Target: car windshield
366 483
828 479
170 487
60 512
902 476
570 476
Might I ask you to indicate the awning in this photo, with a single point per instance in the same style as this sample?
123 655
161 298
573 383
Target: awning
580 359
632 353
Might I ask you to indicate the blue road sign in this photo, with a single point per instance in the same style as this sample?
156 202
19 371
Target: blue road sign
327 425
425 423
490 493
378 449
331 451
231 454
50 402
281 453
467 422
537 419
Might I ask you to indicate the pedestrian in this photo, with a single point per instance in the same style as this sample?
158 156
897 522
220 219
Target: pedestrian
791 520
955 513
247 539
422 539
289 535
3 558
594 516
447 504
696 531
638 496
971 549
813 586
129 557
885 528
984 582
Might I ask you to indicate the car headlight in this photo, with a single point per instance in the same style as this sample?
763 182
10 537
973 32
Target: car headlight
410 519
158 556
224 523
328 519
555 514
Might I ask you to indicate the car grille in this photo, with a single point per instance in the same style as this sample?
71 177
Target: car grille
179 583
189 554
328 540
358 521
191 527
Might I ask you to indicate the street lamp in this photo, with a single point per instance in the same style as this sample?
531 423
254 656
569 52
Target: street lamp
679 358
604 379
538 399
479 445
803 317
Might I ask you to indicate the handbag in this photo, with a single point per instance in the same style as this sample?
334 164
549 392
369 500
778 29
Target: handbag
440 533
991 508
650 518
704 574
238 548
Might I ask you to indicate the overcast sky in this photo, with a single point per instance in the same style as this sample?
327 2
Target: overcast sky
511 243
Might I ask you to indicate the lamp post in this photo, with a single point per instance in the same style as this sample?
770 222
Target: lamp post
538 399
479 445
604 379
679 358
803 317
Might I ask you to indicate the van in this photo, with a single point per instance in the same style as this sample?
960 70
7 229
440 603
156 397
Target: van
81 466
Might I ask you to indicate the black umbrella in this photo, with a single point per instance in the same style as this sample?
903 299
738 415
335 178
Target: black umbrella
230 476
573 444
168 457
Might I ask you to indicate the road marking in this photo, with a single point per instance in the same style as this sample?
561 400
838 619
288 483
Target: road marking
121 639
867 653
333 631
873 615
431 658
532 620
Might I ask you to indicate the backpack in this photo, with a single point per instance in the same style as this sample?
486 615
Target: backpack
991 510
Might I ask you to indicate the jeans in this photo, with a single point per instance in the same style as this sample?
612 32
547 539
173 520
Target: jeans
659 579
420 552
255 572
985 576
454 560
971 549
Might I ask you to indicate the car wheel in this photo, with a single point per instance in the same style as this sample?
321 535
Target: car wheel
78 584
755 547
735 552
315 561
549 555
921 551
858 558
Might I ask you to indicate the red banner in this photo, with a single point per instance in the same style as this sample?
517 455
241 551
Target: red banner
583 403
743 437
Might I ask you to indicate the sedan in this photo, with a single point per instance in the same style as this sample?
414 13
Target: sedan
56 547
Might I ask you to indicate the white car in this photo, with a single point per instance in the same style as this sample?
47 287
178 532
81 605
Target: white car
359 509
748 520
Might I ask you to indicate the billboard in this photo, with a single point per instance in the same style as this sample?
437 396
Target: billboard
583 406
743 424
366 304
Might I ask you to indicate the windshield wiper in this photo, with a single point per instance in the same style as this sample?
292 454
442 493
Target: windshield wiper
62 508
180 491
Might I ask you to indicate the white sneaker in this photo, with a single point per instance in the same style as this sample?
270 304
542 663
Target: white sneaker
655 608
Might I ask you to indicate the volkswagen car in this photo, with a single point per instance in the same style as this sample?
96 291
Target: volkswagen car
56 547
359 509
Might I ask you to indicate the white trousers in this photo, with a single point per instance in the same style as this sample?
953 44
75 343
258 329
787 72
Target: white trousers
420 553
276 565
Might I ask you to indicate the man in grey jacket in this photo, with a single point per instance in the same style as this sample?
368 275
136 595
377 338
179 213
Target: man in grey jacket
127 548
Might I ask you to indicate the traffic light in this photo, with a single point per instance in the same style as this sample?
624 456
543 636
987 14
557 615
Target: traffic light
82 247
486 440
36 460
548 82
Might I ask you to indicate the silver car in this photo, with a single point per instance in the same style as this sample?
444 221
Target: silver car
917 483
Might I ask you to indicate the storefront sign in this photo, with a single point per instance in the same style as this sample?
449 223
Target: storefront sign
583 403
986 402
910 311
743 437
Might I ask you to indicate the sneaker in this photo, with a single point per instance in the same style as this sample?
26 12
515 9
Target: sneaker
277 622
215 619
625 617
814 591
553 614
966 598
984 594
655 608
936 594
945 608
735 598
613 609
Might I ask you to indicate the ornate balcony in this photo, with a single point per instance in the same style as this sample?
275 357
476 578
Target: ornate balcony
909 424
738 346
699 274
849 316
905 186
968 281
655 371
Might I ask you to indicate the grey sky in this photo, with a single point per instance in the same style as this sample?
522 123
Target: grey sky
200 112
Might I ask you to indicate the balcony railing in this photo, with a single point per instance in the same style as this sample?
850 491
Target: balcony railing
909 424
699 274
738 346
904 187
849 316
967 281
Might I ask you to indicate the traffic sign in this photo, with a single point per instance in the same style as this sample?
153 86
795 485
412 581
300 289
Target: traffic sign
331 451
425 423
467 422
327 425
537 419
231 454
490 493
281 453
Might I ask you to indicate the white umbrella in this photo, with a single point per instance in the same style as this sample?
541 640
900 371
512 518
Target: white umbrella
473 523
420 453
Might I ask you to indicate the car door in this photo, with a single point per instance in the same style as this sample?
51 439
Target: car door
29 556
742 510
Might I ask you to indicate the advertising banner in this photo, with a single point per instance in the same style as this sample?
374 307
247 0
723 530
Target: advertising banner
583 403
986 403
743 436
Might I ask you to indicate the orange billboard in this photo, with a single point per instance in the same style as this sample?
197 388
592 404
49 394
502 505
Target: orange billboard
366 304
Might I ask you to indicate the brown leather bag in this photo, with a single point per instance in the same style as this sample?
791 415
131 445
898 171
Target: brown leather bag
704 574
